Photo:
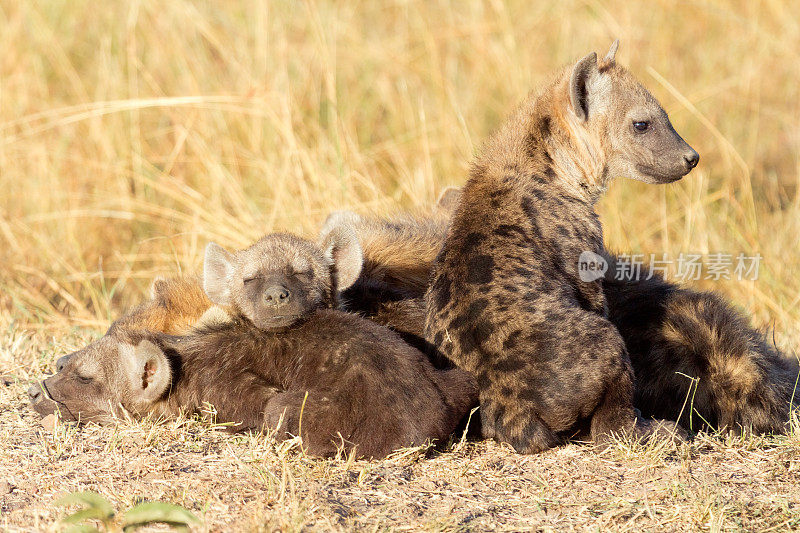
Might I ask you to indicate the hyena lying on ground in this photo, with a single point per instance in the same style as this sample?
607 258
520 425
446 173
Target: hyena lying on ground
398 254
285 357
744 383
95 381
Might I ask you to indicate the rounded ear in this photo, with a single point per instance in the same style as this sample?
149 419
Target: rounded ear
341 248
335 219
579 85
158 287
612 52
217 274
147 370
448 200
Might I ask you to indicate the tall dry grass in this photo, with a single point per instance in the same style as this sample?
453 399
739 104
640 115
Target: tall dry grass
131 133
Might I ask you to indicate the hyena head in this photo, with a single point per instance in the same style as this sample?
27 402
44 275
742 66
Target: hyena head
116 374
123 371
281 278
617 121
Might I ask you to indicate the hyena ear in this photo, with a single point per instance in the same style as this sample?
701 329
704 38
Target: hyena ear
612 52
217 274
148 370
448 200
579 85
338 218
158 288
341 248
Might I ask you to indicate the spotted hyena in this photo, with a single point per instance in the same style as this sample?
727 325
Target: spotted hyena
506 300
398 253
283 359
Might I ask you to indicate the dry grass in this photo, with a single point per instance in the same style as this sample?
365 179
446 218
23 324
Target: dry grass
247 482
132 133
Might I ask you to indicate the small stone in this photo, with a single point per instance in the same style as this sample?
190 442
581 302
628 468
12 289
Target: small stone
49 423
7 381
5 487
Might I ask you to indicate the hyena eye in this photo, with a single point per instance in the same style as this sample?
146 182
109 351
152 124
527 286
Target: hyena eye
641 126
249 280
84 379
306 275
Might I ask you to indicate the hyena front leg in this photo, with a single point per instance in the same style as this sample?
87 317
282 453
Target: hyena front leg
509 420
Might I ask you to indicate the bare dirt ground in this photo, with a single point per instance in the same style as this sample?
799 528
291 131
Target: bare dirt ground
248 483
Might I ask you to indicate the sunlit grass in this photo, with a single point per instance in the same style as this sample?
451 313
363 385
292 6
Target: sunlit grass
133 133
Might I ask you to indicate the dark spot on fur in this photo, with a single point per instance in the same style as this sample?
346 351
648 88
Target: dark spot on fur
508 230
470 315
511 340
531 394
483 330
471 242
479 269
531 296
527 207
510 364
466 341
441 292
544 126
483 379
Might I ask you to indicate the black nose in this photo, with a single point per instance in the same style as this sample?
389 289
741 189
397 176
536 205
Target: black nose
35 392
276 295
60 362
692 159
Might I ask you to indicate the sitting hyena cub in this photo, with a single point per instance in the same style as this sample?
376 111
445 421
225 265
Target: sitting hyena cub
506 301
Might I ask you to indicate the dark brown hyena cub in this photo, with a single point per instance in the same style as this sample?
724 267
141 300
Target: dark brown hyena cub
507 302
345 380
284 360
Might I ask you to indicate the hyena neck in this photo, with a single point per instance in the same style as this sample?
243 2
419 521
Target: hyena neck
544 144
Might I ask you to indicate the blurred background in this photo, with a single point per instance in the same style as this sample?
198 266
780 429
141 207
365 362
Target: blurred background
132 133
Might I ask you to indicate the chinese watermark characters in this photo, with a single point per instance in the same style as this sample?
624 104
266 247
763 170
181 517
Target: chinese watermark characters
686 266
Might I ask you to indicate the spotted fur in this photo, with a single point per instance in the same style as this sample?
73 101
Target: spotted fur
506 301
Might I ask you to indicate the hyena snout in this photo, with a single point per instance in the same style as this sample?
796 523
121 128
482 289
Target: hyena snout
691 158
40 400
61 362
35 393
277 295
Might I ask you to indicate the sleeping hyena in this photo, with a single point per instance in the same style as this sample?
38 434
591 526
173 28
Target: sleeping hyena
281 358
506 300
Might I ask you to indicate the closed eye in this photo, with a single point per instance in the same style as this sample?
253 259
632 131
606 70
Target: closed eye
248 280
84 379
307 275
